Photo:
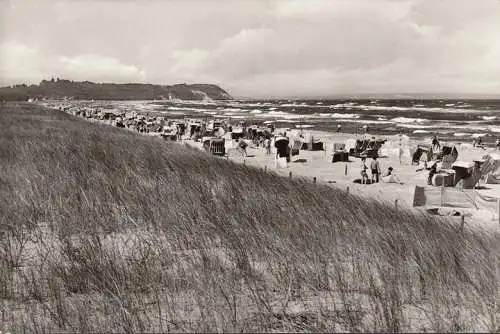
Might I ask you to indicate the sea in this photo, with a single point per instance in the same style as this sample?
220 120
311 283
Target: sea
450 120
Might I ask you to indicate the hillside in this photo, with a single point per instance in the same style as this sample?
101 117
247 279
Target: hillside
106 230
85 90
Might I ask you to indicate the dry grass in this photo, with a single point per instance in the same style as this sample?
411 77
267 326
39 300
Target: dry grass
106 230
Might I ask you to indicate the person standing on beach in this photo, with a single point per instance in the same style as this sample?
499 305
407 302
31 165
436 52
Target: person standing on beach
267 145
364 167
435 143
339 128
375 169
432 172
497 144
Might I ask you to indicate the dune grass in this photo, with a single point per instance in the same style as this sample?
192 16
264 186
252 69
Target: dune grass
103 229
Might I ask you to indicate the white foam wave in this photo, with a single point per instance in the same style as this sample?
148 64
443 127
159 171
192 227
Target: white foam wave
285 121
364 121
443 125
408 120
304 126
421 131
477 135
418 107
488 118
460 134
337 115
186 109
256 111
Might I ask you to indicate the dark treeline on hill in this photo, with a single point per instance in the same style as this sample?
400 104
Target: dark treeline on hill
86 90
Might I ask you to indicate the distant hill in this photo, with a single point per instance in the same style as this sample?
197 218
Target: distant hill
86 90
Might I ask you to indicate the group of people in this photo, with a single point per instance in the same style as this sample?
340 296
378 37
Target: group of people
374 169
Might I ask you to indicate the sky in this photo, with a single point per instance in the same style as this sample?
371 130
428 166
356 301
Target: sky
258 48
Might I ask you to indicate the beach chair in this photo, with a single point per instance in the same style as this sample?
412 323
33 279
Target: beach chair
216 146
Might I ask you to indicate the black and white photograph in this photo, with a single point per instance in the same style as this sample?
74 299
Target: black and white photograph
245 166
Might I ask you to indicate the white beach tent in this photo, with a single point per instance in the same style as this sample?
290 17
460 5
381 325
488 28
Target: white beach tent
397 147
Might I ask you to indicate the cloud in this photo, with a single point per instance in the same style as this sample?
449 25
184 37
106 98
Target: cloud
188 60
254 48
324 10
23 63
100 68
19 62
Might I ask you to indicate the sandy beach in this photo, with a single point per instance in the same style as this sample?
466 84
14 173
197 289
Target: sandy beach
318 164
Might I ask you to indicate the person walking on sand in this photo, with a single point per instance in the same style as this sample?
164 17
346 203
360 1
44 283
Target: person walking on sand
267 145
364 167
339 128
375 169
497 144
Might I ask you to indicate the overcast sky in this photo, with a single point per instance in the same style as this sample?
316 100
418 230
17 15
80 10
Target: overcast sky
258 48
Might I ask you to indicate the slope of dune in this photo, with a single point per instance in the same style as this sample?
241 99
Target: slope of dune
107 230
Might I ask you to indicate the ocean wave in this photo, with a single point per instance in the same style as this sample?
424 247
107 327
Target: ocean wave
460 134
285 121
342 105
488 118
418 107
293 104
409 120
235 117
421 131
477 135
304 126
443 125
186 109
337 115
364 121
